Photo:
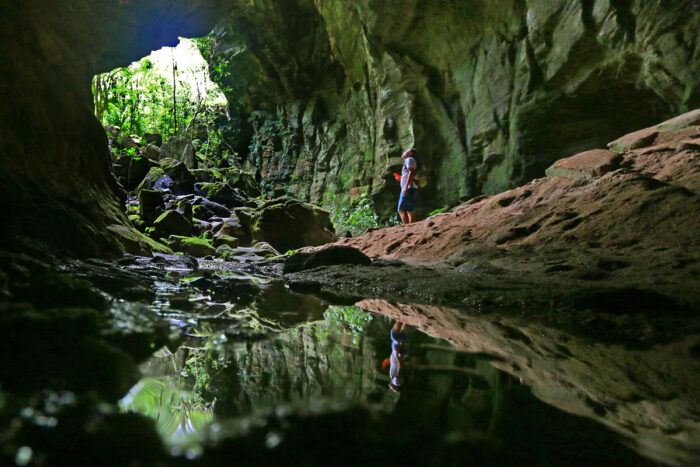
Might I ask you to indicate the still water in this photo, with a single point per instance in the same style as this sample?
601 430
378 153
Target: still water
399 394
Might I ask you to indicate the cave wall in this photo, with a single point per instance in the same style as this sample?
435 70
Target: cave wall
490 93
57 192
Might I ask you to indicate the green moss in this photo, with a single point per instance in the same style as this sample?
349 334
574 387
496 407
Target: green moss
135 242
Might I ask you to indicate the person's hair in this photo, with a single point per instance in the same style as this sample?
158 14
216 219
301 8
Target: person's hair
409 152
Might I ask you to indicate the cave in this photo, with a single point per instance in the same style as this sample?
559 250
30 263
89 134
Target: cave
231 280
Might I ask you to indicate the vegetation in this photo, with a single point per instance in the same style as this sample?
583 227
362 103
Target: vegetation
150 97
356 215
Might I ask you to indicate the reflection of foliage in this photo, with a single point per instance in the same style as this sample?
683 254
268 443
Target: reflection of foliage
348 318
204 362
179 415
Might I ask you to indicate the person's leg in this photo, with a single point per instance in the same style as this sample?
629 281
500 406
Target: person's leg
404 217
411 217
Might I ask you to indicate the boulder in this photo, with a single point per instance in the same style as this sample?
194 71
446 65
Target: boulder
171 223
181 149
218 209
225 240
137 169
220 192
182 179
244 181
149 200
155 179
197 247
586 165
152 152
154 139
233 227
334 254
293 224
202 212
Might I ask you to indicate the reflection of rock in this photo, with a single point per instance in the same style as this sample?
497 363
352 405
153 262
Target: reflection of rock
648 395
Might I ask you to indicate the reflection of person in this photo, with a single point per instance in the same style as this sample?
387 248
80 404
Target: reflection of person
408 201
398 355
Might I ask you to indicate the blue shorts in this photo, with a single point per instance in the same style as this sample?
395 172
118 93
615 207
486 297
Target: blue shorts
409 201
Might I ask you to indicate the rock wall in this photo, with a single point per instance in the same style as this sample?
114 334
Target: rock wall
490 93
326 93
56 186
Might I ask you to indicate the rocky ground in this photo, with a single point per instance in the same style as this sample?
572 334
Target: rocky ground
623 219
205 212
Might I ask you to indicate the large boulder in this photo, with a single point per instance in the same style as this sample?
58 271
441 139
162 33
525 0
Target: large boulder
149 203
220 192
172 176
292 224
137 169
171 223
181 149
244 181
197 247
334 254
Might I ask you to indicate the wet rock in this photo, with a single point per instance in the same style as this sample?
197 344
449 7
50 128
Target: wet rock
171 223
180 149
218 209
292 224
202 212
175 261
197 247
225 240
149 200
220 192
152 152
183 181
266 246
586 165
332 255
234 228
244 181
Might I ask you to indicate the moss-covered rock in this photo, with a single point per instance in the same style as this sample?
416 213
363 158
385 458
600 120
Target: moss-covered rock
220 192
171 222
293 224
194 246
135 242
232 242
150 201
244 181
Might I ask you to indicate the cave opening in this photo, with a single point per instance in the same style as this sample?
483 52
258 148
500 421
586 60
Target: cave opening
167 97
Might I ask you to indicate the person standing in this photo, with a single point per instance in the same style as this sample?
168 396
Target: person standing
408 201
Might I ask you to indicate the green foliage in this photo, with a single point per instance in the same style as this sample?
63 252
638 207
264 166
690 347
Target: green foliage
357 215
139 99
445 208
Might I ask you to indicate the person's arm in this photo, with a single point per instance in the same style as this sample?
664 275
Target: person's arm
409 182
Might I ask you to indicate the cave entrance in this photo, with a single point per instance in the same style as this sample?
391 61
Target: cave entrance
167 97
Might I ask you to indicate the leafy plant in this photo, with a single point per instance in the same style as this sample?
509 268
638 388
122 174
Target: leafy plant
357 215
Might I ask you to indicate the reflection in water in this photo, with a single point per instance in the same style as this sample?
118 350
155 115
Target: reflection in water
399 352
457 403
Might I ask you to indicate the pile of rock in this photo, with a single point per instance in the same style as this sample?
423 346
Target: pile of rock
208 211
